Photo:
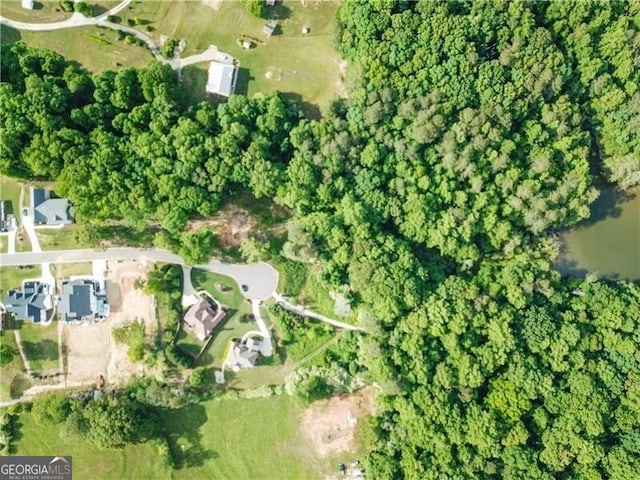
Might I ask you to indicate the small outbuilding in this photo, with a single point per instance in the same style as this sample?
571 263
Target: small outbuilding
28 4
269 29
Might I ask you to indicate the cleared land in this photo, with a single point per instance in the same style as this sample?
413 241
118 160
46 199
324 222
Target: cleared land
59 238
10 192
90 462
44 11
225 439
96 49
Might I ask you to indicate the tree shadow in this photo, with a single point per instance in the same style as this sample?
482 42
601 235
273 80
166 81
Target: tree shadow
310 110
242 81
9 35
279 11
38 5
607 205
182 430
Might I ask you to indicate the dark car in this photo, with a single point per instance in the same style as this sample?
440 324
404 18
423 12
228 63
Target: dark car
244 287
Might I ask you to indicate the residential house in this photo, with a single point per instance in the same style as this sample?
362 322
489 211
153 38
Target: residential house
32 302
243 354
203 317
222 79
48 210
82 300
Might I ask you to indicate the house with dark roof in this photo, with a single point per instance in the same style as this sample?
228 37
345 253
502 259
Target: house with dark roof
32 302
49 210
222 79
203 317
81 300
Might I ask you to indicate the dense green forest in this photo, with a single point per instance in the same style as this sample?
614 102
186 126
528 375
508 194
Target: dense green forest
472 131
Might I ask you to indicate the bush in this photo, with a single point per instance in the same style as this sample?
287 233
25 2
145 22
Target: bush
130 22
120 34
256 7
132 334
51 409
66 5
6 354
198 377
167 51
84 9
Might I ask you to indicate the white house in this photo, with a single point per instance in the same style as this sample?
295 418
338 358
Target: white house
28 4
222 79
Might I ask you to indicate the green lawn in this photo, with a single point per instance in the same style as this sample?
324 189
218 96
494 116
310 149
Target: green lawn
44 11
4 244
13 378
303 66
65 270
12 277
203 280
90 462
10 193
40 345
77 44
59 238
238 439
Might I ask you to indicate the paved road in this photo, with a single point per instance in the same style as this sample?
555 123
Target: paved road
79 20
260 278
298 310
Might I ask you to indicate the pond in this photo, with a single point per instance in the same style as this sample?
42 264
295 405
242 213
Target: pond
608 243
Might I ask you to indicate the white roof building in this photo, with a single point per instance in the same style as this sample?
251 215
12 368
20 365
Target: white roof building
222 79
28 4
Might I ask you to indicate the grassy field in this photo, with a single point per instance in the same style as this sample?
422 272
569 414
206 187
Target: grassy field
13 379
65 270
12 277
303 66
227 439
89 462
94 55
59 238
40 345
4 244
10 193
45 11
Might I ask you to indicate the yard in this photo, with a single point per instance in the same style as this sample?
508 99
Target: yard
12 277
44 11
13 380
96 49
235 324
40 345
10 192
258 438
90 462
66 270
302 66
59 238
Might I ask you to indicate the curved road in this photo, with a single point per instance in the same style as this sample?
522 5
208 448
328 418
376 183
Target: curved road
79 20
261 279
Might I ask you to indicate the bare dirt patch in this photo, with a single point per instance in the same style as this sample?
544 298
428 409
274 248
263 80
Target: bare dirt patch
233 225
130 303
341 88
215 4
330 424
91 349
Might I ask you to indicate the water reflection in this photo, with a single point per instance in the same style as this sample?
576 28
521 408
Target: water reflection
608 242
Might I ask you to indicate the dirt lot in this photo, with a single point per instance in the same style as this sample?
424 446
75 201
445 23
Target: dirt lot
232 224
330 424
91 349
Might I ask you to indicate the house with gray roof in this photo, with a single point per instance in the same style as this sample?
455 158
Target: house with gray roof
32 302
81 300
49 210
243 354
203 317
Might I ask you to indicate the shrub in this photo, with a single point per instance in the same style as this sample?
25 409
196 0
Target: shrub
256 7
167 51
84 9
66 5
